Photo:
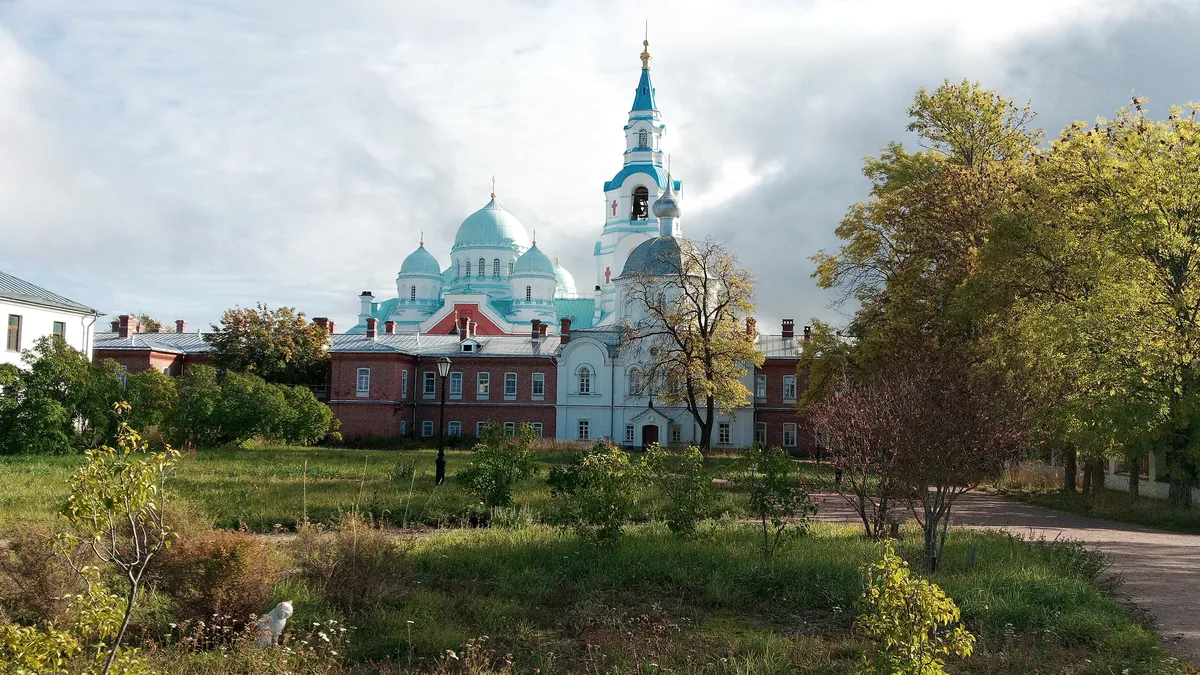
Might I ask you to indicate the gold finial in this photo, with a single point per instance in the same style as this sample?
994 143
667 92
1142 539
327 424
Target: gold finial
493 186
422 237
535 237
646 48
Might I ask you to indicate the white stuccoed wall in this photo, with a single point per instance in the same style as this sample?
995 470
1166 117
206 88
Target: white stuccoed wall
38 322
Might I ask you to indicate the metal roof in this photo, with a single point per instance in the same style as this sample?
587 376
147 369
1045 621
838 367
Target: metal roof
12 288
170 343
776 347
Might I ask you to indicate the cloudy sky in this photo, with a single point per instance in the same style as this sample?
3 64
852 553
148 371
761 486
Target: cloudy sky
178 158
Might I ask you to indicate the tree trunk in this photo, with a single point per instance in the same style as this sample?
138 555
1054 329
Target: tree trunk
1087 478
1070 467
116 646
706 426
1135 474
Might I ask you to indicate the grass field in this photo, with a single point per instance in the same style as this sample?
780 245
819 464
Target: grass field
1118 506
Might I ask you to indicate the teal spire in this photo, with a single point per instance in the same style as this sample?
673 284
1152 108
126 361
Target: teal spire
644 99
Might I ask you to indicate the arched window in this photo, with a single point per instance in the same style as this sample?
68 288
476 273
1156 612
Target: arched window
528 293
496 268
635 382
468 269
641 203
510 269
585 380
643 139
482 267
412 293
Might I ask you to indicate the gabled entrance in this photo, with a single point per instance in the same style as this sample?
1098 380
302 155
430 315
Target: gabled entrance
649 435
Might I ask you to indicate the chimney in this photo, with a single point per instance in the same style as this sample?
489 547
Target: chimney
751 327
535 330
564 334
789 329
462 328
332 328
116 325
127 326
371 321
807 333
322 321
472 328
180 326
365 299
542 331
389 327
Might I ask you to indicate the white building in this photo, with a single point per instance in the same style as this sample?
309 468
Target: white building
32 312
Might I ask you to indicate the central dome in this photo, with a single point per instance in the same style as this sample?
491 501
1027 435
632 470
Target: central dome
564 286
492 227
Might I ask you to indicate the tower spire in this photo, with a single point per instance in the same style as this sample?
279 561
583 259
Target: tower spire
646 48
422 237
493 186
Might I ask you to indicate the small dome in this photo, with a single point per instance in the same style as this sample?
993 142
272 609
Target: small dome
564 283
660 256
667 205
420 261
492 226
533 262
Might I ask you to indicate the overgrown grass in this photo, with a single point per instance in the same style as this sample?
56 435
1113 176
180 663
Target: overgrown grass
1118 506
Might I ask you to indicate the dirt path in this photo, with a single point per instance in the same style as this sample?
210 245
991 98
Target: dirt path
1161 571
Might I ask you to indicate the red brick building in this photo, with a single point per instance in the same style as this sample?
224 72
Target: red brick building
168 353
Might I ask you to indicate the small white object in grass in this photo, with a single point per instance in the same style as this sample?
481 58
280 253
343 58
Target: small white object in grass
271 624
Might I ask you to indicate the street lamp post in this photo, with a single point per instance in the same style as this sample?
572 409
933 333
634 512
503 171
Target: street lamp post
443 366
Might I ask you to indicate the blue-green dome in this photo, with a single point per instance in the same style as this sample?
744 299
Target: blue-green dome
564 283
661 256
533 262
420 261
492 226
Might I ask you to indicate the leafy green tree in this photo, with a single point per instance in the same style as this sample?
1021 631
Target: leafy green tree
598 492
687 492
500 461
277 345
192 421
915 623
775 497
152 396
249 407
308 420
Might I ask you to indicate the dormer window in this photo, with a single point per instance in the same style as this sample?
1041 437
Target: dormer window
643 139
468 346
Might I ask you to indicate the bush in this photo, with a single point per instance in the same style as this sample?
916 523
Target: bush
782 508
355 567
152 396
598 493
220 573
500 460
35 578
687 491
310 420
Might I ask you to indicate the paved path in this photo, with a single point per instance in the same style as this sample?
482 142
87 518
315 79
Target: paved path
1160 571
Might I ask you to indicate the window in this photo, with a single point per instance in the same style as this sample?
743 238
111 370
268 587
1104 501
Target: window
479 428
403 427
585 380
641 203
789 435
760 386
585 432
537 429
363 387
789 387
629 433
483 385
14 333
426 429
510 429
643 139
635 382
454 429
760 432
723 433
455 385
467 347
528 293
821 439
482 267
468 269
60 329
510 385
496 268
539 386
412 293
510 269
430 384
676 433
404 384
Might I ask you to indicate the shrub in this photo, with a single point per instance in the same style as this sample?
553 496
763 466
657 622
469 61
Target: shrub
913 621
781 506
220 573
500 460
35 579
687 491
310 420
355 567
598 493
152 395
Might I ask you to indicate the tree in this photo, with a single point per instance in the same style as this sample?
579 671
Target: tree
597 493
500 461
149 324
691 331
774 495
277 345
152 396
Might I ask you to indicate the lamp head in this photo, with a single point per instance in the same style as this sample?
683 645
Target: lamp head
443 366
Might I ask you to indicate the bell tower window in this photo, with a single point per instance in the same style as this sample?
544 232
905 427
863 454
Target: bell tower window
528 293
641 203
643 139
412 293
496 268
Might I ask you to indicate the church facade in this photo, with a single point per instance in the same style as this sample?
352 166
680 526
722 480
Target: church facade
527 344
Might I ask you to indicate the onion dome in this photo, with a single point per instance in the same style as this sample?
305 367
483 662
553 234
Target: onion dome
661 256
492 226
421 261
533 263
667 205
564 283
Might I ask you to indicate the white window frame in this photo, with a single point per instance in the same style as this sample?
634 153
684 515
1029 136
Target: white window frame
637 384
456 378
362 383
454 428
724 433
404 384
479 428
760 432
537 428
630 433
403 427
676 433
427 429
789 429
760 387
510 379
584 376
429 389
538 386
483 386
584 430
510 429
789 388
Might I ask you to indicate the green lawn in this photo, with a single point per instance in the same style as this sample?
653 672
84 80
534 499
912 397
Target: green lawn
1118 506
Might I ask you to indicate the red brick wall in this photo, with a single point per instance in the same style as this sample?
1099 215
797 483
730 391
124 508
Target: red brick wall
775 411
135 361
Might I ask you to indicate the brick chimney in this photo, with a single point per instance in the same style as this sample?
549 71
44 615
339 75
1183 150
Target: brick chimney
389 327
371 322
751 326
807 333
462 328
116 325
332 328
128 326
180 326
789 329
535 329
472 328
322 321
542 331
564 334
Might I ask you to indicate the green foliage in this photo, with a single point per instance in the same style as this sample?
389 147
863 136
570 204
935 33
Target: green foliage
193 419
686 490
598 492
775 498
913 621
500 460
308 421
355 567
152 396
277 345
36 580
